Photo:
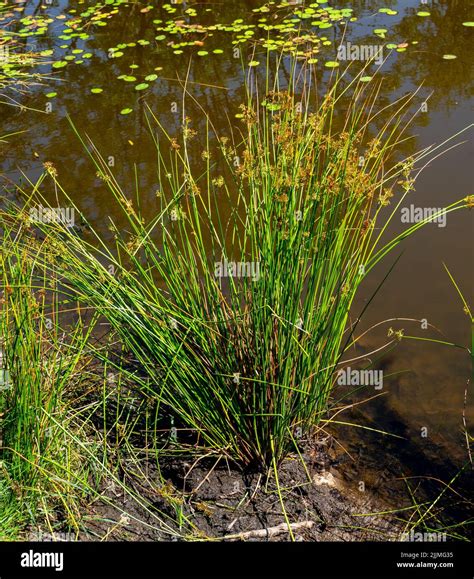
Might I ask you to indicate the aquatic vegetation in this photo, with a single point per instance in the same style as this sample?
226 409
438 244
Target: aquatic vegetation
17 67
40 459
190 33
229 278
242 343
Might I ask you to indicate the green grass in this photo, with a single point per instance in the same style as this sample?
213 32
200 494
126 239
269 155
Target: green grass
243 363
41 369
241 366
55 456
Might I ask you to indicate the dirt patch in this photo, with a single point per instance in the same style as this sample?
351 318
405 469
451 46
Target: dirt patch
318 497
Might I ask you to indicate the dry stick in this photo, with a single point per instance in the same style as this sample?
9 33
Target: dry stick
466 433
270 531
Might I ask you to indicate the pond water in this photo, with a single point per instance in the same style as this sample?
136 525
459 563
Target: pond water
105 63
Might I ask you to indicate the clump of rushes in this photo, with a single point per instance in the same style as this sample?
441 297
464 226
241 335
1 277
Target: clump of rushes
41 467
245 360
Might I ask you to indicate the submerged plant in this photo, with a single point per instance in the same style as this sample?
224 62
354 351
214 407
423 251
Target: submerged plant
238 322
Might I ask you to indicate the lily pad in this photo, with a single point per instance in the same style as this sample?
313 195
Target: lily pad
142 86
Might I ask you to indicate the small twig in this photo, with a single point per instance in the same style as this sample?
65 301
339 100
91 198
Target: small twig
466 433
270 531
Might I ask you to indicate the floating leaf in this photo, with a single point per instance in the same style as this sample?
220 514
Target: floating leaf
202 53
423 13
142 86
151 77
97 90
51 95
366 78
468 23
449 56
331 64
254 63
126 111
59 64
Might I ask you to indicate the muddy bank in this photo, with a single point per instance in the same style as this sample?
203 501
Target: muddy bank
322 501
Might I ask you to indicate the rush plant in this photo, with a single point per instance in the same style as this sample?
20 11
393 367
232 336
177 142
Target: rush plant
237 321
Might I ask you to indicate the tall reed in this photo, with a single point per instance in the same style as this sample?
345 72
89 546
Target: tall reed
246 357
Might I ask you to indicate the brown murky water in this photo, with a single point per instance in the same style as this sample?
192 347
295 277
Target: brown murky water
425 382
